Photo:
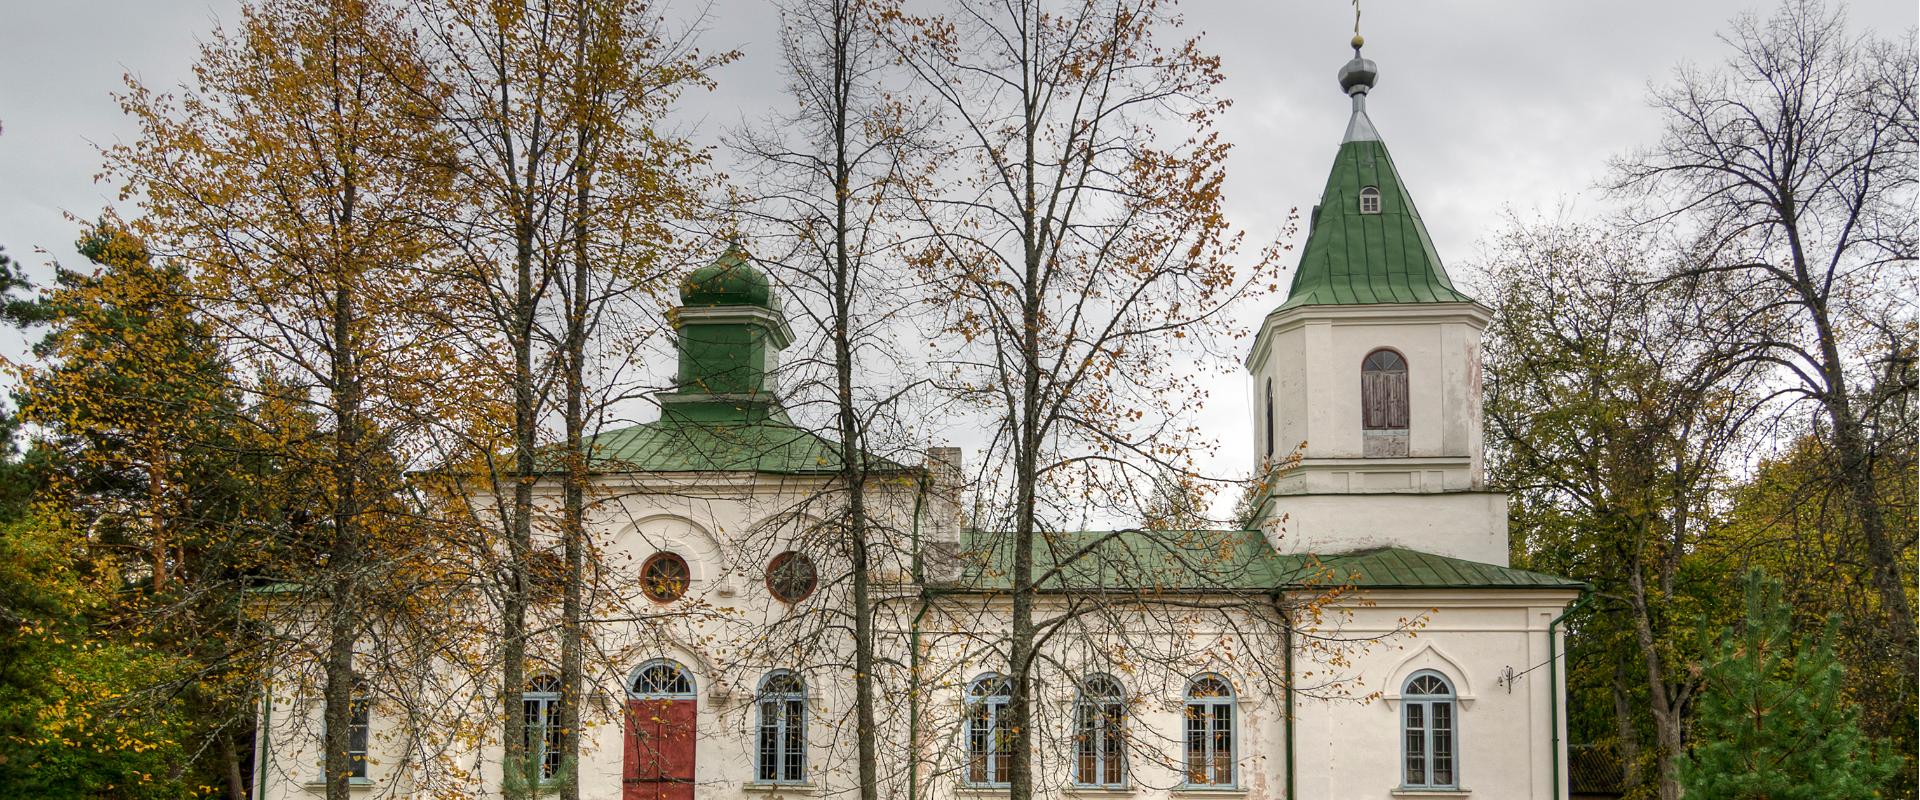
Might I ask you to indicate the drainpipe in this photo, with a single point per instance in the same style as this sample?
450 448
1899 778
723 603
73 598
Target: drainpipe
1291 719
265 741
1553 686
913 649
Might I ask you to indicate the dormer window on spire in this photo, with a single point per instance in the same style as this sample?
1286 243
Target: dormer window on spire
1370 200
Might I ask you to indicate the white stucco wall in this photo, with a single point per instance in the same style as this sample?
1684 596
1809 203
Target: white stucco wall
1347 748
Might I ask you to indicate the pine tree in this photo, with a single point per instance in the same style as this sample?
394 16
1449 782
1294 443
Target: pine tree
1772 722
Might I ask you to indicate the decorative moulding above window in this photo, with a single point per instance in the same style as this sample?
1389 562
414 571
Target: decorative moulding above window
1429 658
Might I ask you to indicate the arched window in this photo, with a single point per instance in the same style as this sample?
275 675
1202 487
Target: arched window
989 738
782 755
1428 731
662 717
1370 200
1099 736
1383 404
661 679
1209 717
1269 420
359 715
541 704
359 721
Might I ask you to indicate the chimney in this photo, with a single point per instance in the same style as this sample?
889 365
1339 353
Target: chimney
941 542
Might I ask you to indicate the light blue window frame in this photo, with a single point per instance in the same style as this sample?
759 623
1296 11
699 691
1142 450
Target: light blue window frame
1429 732
1210 728
780 755
985 735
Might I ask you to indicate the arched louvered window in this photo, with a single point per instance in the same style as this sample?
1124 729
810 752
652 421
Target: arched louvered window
541 736
1099 734
1370 200
782 753
989 735
1383 391
1210 732
1429 733
1384 404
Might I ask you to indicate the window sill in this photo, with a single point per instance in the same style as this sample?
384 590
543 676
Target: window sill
792 788
1099 791
977 790
1209 791
1416 791
353 785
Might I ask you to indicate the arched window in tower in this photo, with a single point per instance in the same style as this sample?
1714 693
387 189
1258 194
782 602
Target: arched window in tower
1370 200
1269 420
1383 404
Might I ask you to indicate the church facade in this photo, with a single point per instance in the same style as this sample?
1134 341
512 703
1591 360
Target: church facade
1366 638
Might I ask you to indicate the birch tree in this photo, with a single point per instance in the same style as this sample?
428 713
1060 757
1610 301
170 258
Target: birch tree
1082 248
827 173
570 189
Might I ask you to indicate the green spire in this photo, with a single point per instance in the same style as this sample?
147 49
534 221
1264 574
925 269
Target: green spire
1379 253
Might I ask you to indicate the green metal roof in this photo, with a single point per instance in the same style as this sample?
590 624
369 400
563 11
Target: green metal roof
1352 258
1400 568
1203 561
681 443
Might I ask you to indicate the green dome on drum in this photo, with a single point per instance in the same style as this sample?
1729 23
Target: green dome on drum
731 280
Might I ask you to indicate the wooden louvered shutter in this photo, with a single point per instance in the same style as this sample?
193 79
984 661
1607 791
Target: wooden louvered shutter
1383 391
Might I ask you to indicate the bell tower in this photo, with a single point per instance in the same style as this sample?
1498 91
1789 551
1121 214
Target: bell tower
1370 371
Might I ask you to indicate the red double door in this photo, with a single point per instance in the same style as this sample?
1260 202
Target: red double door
659 752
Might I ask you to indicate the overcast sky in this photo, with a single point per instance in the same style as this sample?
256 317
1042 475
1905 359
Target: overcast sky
1485 105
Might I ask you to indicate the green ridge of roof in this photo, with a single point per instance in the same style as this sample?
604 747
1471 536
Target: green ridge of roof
1352 258
1223 561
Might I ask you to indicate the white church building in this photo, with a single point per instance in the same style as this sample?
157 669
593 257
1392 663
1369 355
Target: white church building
1366 639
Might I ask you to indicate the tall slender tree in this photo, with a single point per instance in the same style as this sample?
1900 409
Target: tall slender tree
1793 164
828 175
291 178
1080 245
571 188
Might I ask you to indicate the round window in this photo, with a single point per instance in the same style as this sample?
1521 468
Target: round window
791 577
663 578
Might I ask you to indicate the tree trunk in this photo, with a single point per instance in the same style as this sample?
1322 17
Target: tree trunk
237 788
1626 736
156 520
513 678
345 556
1026 475
853 473
573 520
1854 467
1668 724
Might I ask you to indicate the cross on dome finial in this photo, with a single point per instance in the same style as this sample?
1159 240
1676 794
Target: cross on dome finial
1359 74
1356 79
